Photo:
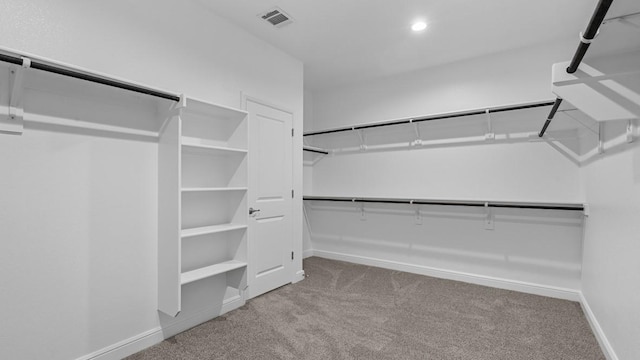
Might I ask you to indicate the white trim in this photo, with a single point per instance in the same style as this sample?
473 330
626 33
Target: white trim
299 276
307 253
232 304
500 283
127 347
156 335
171 328
605 345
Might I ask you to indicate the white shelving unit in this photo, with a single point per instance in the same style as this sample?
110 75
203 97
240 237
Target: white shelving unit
203 208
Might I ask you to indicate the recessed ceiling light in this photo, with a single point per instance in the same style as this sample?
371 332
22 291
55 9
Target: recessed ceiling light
418 26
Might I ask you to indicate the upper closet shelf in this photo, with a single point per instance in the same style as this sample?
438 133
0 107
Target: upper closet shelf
62 95
513 123
444 202
208 109
442 116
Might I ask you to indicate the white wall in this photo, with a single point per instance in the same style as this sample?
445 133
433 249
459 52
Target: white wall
611 269
78 217
499 79
525 247
516 172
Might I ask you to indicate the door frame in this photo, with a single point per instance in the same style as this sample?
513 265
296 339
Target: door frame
296 275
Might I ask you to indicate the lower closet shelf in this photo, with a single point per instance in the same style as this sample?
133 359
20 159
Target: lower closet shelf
205 272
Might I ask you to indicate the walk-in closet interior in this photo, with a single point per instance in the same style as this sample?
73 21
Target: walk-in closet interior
210 179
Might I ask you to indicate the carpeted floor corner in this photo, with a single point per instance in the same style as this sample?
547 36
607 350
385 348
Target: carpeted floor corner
348 311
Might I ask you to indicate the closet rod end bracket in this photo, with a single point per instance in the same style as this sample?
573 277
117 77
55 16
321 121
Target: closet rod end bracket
13 123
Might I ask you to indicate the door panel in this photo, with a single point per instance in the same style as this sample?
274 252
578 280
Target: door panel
270 184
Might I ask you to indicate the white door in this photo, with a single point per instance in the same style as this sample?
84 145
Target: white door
270 195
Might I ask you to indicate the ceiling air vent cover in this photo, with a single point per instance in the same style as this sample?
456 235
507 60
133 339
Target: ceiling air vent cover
276 17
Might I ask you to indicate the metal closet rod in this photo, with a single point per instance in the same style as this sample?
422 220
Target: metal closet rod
493 204
432 117
585 40
589 34
552 113
88 77
315 151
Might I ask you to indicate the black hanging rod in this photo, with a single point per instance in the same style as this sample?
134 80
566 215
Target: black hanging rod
552 113
431 118
492 204
590 33
315 151
88 77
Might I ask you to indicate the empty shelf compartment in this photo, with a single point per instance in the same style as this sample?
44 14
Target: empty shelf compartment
213 270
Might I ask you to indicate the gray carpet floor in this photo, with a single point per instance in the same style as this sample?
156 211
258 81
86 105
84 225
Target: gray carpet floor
348 311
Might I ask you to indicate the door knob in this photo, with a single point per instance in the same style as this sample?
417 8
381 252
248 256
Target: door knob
252 211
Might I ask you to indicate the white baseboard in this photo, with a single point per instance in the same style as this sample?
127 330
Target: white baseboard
500 283
605 345
307 253
175 327
151 337
232 304
299 276
127 347
154 336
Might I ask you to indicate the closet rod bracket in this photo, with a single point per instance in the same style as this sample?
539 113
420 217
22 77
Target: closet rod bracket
630 131
601 138
416 130
488 220
489 135
14 123
418 214
361 136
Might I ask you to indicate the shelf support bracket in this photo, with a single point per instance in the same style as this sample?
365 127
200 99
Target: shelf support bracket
488 220
363 214
630 131
418 215
489 135
14 123
600 138
416 130
587 210
363 146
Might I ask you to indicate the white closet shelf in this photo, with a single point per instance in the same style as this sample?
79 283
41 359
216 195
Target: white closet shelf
458 202
213 189
197 144
209 271
214 110
205 230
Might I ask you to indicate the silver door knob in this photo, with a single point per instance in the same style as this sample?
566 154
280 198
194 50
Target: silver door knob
252 211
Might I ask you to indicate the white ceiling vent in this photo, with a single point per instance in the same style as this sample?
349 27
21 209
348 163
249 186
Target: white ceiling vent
276 17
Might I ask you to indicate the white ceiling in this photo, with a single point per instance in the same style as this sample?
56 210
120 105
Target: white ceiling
345 41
